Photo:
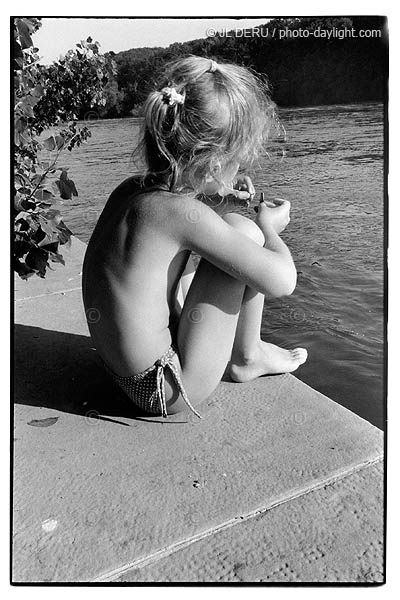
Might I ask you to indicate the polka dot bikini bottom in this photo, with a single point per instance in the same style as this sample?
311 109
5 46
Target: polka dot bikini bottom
147 389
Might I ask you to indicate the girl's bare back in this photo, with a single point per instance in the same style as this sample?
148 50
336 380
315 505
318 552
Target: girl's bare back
131 271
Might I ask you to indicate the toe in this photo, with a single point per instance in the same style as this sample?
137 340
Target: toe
300 354
303 355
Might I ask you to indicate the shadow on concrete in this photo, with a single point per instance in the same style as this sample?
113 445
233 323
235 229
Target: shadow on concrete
63 371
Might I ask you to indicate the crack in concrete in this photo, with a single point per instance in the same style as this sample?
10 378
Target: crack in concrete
181 544
48 294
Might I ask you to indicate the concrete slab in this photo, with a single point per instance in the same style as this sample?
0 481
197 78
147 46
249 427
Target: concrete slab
99 487
331 534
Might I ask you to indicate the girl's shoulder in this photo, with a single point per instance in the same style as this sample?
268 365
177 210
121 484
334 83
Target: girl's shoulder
158 200
155 205
183 209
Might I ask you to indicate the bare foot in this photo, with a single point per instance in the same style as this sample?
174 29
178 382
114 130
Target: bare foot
267 360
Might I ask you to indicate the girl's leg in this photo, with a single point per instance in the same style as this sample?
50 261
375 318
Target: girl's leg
252 357
208 328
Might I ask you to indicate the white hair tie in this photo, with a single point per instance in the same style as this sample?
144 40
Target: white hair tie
171 96
213 66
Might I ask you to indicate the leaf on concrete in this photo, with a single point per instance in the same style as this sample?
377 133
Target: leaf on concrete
43 422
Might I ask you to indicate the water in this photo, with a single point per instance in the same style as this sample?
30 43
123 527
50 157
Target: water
331 169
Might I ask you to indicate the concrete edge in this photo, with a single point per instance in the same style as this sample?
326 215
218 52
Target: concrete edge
154 557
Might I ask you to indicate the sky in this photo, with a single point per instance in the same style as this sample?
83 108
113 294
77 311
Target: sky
57 35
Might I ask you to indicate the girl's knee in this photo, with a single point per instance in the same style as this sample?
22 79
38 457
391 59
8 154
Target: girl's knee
245 226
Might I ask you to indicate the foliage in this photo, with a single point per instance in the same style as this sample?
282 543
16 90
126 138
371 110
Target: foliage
46 97
302 71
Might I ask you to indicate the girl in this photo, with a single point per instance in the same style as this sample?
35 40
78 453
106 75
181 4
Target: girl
207 121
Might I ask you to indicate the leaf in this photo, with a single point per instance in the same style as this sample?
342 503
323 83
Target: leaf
18 63
38 236
44 196
47 241
26 108
20 124
33 24
38 91
23 178
43 422
53 247
45 183
24 34
47 226
21 247
28 204
36 179
23 271
56 257
18 202
17 51
37 259
23 215
24 190
64 234
53 215
59 140
49 143
66 186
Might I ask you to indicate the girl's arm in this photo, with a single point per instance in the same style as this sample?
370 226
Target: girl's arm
269 269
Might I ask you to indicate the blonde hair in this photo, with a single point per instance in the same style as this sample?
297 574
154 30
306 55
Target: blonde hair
223 115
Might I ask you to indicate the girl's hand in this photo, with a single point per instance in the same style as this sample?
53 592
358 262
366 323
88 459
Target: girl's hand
235 194
245 188
275 214
240 189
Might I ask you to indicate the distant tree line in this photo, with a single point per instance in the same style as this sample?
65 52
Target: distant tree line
302 70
